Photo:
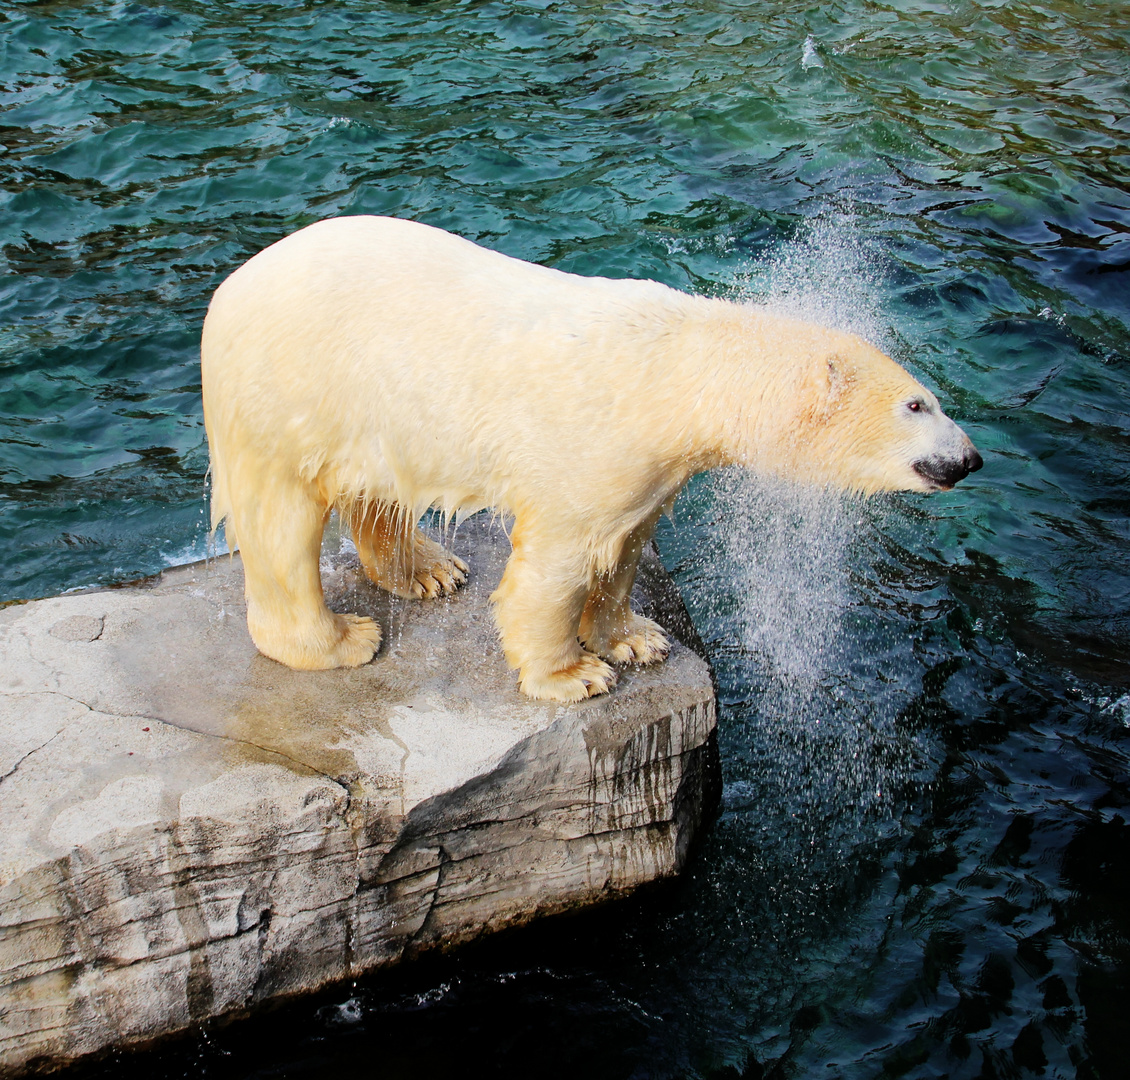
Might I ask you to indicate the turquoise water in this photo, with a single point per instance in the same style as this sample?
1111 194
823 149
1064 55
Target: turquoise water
922 861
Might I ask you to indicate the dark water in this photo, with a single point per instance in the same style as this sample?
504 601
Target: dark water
922 863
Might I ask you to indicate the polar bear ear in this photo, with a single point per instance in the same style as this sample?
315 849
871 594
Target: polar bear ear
826 384
839 375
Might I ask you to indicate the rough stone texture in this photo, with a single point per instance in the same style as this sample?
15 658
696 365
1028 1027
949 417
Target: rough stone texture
189 829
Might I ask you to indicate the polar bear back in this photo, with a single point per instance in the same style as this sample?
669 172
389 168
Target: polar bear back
345 345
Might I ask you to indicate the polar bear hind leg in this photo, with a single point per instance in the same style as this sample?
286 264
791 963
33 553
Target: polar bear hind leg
608 626
398 557
280 524
538 606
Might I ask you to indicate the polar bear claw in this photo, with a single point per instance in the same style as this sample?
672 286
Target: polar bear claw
643 642
403 560
586 677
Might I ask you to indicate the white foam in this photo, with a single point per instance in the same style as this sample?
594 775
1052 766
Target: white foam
809 57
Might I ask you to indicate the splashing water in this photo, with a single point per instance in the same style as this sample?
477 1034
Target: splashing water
790 541
786 550
829 273
825 682
787 545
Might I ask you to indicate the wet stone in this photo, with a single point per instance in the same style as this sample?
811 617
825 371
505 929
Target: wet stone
190 829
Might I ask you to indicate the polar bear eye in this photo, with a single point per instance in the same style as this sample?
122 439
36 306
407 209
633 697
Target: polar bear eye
915 405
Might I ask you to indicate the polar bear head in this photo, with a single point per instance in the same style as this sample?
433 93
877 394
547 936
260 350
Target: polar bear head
846 415
874 427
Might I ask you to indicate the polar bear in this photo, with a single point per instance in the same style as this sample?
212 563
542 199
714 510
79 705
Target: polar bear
382 367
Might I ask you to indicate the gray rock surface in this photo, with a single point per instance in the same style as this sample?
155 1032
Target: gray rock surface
188 829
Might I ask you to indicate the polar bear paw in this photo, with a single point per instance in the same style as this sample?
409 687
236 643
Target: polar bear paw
644 642
360 639
338 641
584 678
416 568
436 572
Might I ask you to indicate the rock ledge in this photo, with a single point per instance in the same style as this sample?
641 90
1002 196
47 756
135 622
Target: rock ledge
189 829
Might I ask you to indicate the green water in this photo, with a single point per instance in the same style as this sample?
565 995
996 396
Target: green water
923 858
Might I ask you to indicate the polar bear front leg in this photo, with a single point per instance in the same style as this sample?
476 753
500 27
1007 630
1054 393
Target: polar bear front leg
279 526
537 606
609 627
398 557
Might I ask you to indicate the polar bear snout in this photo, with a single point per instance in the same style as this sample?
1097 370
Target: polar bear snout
944 471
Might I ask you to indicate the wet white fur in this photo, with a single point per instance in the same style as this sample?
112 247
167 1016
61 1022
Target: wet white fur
384 367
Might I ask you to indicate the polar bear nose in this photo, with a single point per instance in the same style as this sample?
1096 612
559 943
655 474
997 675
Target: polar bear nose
944 468
947 471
